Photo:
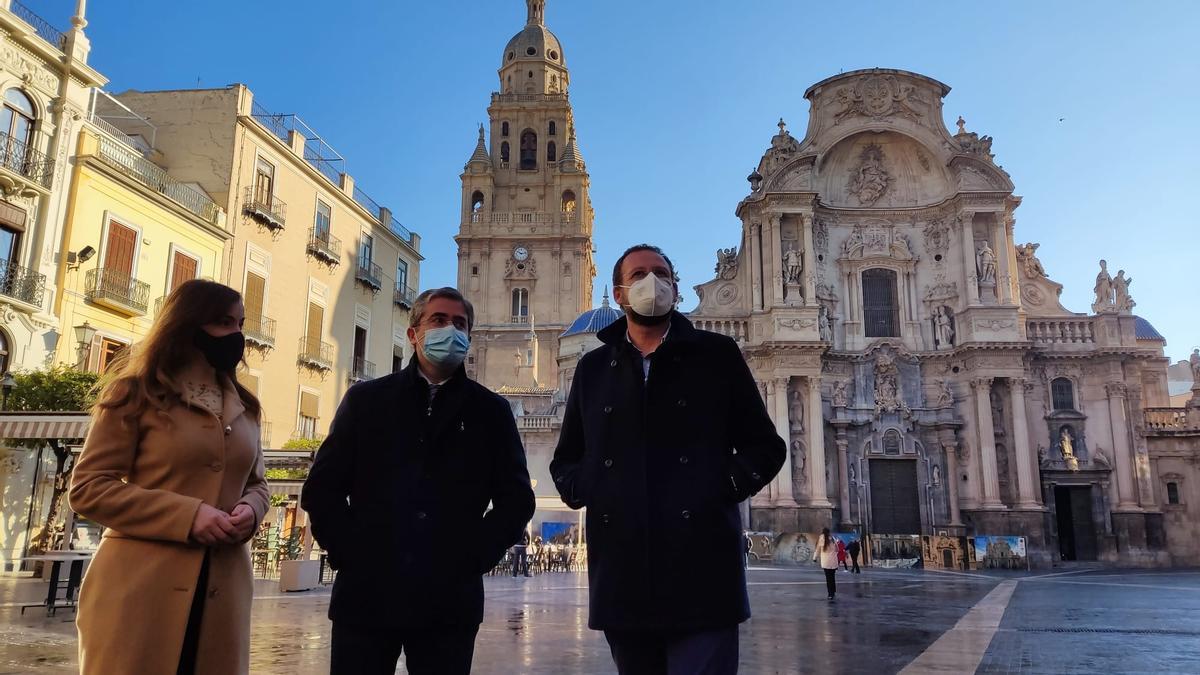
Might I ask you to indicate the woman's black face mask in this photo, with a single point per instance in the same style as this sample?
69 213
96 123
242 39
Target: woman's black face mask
222 353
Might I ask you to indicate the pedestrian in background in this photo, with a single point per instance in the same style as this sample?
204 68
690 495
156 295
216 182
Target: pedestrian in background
841 552
521 555
827 555
854 549
173 469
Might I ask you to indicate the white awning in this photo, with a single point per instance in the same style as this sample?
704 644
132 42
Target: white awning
33 425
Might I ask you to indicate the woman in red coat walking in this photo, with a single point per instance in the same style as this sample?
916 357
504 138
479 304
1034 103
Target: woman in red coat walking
841 553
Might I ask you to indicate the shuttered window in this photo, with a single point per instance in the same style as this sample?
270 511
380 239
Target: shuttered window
1062 392
119 249
184 268
255 297
881 311
316 317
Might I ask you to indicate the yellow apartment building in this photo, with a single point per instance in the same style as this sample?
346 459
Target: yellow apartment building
328 274
133 234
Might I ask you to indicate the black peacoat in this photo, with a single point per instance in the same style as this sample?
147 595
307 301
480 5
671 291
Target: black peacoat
397 496
661 466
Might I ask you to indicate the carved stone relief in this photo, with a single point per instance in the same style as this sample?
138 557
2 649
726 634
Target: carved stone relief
937 236
869 180
727 263
877 96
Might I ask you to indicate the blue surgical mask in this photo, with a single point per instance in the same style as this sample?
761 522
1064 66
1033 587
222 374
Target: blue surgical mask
446 347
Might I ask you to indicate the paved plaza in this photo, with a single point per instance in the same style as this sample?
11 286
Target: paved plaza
1082 620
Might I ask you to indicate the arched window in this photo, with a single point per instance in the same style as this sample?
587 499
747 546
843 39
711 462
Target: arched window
528 149
1062 394
504 129
1172 493
568 201
520 305
476 202
3 352
16 118
504 152
881 309
551 152
891 442
553 129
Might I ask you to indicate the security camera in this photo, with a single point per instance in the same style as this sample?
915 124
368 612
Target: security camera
86 254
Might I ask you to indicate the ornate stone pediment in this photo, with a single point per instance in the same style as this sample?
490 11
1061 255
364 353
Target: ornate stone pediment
876 96
979 175
520 270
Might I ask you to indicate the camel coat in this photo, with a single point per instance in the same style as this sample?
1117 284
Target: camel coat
144 480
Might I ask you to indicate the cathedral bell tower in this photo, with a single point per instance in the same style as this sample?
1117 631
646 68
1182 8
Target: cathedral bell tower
525 238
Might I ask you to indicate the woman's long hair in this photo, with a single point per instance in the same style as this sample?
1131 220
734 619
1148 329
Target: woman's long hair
825 538
145 375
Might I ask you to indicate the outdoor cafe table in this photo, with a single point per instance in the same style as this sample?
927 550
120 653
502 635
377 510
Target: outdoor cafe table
57 558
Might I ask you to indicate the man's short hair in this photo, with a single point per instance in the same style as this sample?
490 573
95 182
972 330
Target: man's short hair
418 308
616 277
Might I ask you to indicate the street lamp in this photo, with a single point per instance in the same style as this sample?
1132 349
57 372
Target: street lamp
84 335
7 384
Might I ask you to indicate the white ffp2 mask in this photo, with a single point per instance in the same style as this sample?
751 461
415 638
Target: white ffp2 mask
651 296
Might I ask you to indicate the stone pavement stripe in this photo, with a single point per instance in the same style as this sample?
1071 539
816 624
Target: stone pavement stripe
961 649
1059 574
1192 589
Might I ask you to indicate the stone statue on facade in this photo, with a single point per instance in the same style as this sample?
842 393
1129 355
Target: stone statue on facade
1194 362
901 248
1027 256
825 323
796 411
887 389
1104 290
854 244
726 263
944 323
841 398
793 266
799 463
1121 298
1067 445
946 395
853 475
869 180
937 475
985 264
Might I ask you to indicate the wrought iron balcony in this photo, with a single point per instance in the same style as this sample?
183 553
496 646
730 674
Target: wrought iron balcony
405 296
22 159
266 209
22 284
259 331
264 430
316 354
363 370
116 290
129 162
325 246
369 274
40 26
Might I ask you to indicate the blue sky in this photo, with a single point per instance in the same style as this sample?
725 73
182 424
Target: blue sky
676 100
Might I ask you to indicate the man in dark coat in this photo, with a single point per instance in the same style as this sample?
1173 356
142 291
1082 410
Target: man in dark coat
397 495
854 549
664 434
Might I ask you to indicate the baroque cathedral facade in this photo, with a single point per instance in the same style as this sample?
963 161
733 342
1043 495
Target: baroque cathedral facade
913 354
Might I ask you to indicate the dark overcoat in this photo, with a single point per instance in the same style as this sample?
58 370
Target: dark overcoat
398 496
661 465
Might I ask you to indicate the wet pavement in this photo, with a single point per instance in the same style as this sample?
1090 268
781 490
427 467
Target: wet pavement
1080 620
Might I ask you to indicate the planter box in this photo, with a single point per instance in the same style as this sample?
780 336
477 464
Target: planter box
299 575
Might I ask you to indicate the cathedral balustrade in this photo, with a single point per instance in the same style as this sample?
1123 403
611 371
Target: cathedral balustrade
527 98
738 329
524 218
536 422
1060 331
1169 419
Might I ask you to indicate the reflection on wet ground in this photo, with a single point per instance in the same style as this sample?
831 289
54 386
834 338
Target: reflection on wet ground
1080 621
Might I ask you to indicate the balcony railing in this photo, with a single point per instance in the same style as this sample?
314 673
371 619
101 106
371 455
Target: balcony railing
316 354
518 319
267 209
264 430
127 161
369 274
738 329
536 422
323 245
40 26
1060 331
260 331
22 284
117 290
20 158
527 98
404 295
362 370
524 218
1168 419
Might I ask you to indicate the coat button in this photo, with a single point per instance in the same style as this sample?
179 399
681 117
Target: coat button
608 463
686 514
683 459
755 476
228 430
607 409
604 518
420 515
216 466
682 403
613 363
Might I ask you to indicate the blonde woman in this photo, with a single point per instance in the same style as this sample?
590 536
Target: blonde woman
173 468
827 555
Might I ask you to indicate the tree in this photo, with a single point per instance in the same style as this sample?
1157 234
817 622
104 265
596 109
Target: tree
55 389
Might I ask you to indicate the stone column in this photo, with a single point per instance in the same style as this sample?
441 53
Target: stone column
775 268
783 480
1026 488
816 444
754 249
1123 454
1003 271
951 477
810 260
966 232
844 477
987 442
766 496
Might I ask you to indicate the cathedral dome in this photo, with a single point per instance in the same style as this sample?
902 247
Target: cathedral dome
535 42
593 320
